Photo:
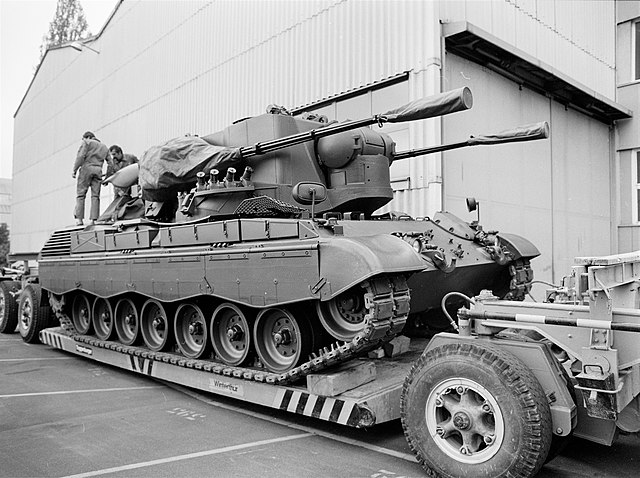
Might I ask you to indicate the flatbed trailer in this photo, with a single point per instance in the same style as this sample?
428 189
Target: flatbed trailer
373 394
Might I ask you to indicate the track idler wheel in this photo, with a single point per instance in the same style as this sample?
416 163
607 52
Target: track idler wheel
191 331
230 334
81 313
281 340
127 321
102 319
155 325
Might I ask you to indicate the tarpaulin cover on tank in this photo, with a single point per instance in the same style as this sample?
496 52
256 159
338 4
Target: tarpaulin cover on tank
523 133
173 166
431 106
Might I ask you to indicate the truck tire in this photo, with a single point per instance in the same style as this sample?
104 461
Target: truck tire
33 315
475 410
8 306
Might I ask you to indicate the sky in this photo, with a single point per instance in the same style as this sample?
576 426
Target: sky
23 23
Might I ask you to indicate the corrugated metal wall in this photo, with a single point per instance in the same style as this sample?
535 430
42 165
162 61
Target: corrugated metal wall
575 37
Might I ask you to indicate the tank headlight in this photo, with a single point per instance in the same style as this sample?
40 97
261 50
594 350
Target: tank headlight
417 245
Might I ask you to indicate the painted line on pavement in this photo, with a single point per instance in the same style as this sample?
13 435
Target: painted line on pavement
188 456
66 392
34 359
332 436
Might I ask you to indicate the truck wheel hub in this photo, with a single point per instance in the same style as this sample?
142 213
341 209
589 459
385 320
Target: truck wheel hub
462 421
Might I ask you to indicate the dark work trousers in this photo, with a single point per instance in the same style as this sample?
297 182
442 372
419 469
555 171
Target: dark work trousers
88 177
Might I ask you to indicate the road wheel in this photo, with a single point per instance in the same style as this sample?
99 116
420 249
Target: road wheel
156 326
81 314
126 321
281 340
343 316
475 410
230 334
33 316
191 331
102 318
8 306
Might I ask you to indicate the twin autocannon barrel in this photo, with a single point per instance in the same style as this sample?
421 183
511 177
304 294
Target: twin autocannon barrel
424 108
429 107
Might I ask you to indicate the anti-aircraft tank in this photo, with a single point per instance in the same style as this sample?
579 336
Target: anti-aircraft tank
268 260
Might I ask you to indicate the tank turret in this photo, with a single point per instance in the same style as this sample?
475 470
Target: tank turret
349 159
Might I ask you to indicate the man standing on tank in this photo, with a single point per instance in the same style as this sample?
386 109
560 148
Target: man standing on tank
118 161
91 155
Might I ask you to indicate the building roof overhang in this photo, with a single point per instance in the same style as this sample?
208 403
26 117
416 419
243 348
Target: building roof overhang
472 43
66 45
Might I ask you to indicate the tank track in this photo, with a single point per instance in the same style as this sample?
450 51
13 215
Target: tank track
387 299
521 278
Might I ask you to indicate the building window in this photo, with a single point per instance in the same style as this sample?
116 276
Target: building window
636 50
635 189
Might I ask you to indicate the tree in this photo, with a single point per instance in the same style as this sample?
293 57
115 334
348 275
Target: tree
4 245
69 24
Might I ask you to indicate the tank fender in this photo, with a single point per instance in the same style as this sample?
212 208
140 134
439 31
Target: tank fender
518 246
347 261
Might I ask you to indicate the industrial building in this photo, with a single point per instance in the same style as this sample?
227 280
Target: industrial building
158 70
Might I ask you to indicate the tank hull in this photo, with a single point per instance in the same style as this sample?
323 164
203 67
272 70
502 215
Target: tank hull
297 262
271 262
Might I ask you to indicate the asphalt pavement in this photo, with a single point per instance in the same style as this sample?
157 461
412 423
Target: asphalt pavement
62 415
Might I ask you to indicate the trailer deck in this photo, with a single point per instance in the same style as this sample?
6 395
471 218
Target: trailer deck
372 402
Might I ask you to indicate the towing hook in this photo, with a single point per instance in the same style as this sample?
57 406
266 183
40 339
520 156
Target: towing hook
439 259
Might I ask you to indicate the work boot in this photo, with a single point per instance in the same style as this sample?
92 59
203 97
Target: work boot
92 222
79 222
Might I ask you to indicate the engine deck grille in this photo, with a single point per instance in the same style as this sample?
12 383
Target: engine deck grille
59 244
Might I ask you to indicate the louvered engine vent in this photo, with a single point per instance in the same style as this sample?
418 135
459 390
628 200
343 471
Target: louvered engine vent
59 244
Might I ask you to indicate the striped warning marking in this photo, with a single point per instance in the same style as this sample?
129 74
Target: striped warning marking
548 320
52 339
141 364
325 408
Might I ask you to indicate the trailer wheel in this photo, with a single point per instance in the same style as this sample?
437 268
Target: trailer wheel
475 410
33 316
8 306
